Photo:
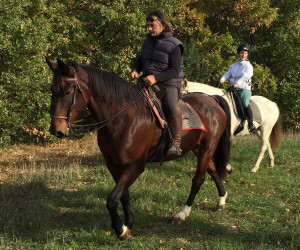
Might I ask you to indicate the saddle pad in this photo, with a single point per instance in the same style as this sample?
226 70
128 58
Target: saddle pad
190 118
256 112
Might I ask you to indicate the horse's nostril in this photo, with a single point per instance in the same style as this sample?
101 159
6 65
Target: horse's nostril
59 134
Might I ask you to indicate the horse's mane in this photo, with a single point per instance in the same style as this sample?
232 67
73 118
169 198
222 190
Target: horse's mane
108 85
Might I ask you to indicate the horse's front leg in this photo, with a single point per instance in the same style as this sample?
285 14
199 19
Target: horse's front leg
113 199
125 200
120 193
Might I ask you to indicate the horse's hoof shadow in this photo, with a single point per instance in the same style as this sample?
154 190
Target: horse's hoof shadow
221 207
178 221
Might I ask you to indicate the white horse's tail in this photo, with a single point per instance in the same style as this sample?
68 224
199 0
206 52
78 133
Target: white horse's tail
276 134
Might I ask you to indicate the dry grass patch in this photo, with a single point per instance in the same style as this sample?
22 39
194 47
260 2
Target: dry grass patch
63 158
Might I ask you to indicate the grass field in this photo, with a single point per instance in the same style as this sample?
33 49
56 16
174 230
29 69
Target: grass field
53 197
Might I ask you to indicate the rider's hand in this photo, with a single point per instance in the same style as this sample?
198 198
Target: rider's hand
133 75
221 81
150 80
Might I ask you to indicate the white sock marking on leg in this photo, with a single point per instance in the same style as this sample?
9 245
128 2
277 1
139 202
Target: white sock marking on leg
222 199
184 213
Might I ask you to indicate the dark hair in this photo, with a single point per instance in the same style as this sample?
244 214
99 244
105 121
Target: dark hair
161 18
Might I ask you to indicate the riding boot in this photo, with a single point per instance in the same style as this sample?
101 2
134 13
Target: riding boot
175 125
249 114
240 127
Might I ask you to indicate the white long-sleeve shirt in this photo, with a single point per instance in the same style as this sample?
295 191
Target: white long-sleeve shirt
240 73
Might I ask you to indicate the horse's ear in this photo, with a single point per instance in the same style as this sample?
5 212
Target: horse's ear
51 65
64 67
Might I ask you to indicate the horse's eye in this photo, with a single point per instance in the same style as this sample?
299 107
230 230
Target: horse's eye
68 91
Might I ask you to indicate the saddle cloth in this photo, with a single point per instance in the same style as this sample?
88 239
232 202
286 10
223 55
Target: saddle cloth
190 118
256 112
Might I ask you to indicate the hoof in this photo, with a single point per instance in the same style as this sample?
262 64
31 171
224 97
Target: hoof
221 207
125 235
178 221
254 170
229 168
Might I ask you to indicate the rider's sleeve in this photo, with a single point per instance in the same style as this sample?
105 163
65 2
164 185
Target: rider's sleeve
138 66
227 74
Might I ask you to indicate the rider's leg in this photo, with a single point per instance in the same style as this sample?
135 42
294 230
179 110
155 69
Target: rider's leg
174 119
249 114
245 97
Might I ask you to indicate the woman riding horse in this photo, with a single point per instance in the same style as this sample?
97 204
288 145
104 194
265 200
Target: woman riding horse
240 74
162 63
129 135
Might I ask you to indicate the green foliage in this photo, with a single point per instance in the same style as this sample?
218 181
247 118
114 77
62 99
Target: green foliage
24 94
109 34
264 82
290 102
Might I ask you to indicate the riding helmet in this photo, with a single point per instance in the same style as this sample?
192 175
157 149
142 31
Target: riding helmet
243 46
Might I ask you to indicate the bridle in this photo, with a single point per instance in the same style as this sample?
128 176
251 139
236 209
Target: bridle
78 88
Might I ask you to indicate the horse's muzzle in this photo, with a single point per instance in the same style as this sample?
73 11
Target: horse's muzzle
59 132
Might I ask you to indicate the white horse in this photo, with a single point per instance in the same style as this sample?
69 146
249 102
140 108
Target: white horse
268 124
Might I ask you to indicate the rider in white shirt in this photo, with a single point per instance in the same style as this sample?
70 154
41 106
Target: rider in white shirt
240 74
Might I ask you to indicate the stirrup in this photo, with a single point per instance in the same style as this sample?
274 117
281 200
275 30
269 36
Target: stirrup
251 128
174 151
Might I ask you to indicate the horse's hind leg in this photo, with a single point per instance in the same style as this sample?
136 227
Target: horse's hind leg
221 189
271 155
197 182
185 212
264 137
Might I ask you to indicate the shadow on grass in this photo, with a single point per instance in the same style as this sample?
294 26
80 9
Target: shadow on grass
36 212
32 210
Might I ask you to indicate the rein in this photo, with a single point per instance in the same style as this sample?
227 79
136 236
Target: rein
100 123
106 121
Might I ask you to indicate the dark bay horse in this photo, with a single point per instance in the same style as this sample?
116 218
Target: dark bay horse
130 134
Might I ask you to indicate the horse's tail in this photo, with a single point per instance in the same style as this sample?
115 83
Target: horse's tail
276 134
222 153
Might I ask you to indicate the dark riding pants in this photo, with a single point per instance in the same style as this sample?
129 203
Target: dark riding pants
170 100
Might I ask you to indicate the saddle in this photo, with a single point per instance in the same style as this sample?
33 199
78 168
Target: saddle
237 103
190 118
238 106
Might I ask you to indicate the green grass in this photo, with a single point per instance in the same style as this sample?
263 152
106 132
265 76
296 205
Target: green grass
53 197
